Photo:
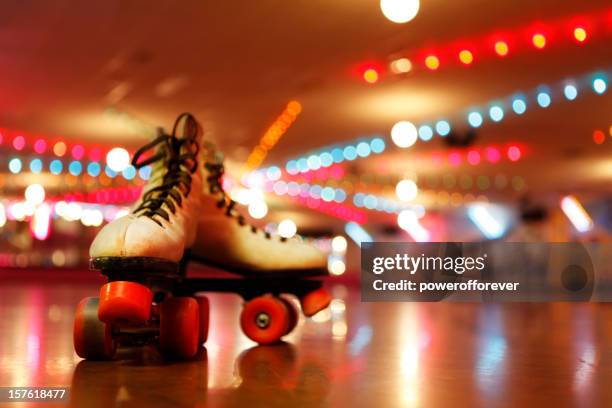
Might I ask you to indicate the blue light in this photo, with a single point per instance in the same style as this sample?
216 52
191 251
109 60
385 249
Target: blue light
93 169
519 106
543 99
425 133
350 153
328 194
129 173
75 168
370 202
377 145
357 233
475 119
340 195
496 113
56 167
599 85
110 172
36 166
358 200
338 155
15 165
273 173
315 191
145 172
314 163
302 165
443 127
570 92
292 167
363 149
326 159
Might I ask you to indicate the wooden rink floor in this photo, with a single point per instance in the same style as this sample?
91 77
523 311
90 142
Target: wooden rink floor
356 354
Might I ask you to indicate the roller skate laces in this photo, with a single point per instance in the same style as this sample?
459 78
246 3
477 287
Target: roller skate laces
178 156
216 170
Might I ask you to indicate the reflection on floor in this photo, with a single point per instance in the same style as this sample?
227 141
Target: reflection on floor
392 354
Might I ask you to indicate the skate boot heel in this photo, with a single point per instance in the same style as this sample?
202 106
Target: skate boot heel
315 301
124 301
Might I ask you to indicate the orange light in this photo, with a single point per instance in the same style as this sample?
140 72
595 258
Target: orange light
580 34
432 62
59 149
370 76
610 131
501 48
466 57
599 137
539 41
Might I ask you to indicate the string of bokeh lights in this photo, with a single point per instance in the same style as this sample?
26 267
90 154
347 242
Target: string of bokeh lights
32 153
578 30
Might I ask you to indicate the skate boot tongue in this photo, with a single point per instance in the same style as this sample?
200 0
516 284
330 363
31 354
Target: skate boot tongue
176 159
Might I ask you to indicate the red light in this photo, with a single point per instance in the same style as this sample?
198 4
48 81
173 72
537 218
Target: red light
370 76
466 57
539 40
1 137
39 146
473 157
501 48
19 143
580 34
77 152
514 153
599 137
95 154
454 159
493 155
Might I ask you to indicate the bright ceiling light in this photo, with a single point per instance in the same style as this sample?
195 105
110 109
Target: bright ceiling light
287 228
401 66
118 159
404 134
406 190
399 11
408 221
35 194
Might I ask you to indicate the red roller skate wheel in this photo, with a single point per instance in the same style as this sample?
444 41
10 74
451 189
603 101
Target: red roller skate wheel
125 301
265 319
178 327
315 301
204 307
293 314
92 338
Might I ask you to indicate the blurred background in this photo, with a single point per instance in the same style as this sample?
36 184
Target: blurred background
342 121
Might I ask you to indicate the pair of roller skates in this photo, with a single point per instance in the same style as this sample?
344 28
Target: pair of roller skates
183 215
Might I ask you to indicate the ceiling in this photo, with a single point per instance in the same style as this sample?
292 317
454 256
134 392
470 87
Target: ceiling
92 70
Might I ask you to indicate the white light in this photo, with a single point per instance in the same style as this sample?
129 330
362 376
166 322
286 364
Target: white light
118 159
336 267
35 194
399 11
17 211
486 223
339 244
409 222
287 228
404 134
73 212
258 209
2 215
92 218
401 66
576 214
406 190
41 222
